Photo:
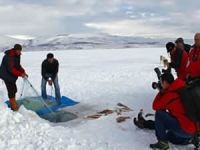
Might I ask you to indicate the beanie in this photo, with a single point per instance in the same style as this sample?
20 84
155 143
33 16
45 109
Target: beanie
17 47
170 46
167 77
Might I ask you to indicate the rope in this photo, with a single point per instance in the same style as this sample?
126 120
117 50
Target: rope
22 91
26 79
51 90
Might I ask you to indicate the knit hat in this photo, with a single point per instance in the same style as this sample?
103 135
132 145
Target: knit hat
170 46
49 55
179 40
167 77
17 47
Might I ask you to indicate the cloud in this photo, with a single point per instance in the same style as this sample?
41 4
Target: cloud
24 18
121 17
133 27
39 17
154 19
146 25
21 37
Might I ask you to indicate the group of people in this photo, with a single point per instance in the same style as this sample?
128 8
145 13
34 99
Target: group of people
184 59
171 123
11 69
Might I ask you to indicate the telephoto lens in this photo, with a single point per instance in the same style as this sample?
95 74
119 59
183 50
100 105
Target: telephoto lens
154 85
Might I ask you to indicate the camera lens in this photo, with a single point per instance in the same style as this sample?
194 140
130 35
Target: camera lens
154 85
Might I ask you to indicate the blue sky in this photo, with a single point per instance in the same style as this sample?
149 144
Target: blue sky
147 18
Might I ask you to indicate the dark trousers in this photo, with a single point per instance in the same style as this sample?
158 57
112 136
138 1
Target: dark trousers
11 88
167 128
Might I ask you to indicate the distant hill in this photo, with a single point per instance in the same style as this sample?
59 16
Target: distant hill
82 41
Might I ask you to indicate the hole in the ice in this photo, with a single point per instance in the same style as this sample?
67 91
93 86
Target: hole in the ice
59 116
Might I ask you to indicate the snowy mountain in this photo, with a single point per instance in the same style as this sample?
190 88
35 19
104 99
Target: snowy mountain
81 41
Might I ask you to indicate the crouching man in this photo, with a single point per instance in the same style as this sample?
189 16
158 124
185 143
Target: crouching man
171 123
50 74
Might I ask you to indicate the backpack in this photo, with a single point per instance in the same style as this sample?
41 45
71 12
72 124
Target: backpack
190 98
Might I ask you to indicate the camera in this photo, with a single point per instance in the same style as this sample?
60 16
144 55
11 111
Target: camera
157 85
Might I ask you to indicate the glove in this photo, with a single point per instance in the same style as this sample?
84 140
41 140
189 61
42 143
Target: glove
24 75
166 63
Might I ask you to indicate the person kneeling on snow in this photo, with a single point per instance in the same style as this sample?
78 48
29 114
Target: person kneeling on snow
50 74
171 123
10 70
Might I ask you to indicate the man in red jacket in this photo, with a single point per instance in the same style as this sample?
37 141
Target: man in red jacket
193 66
10 70
170 113
179 59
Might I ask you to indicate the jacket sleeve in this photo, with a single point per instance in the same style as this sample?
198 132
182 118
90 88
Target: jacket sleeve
13 69
43 70
56 70
22 69
177 63
157 103
162 101
187 47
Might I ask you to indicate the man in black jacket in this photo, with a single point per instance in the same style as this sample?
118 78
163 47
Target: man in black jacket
10 70
180 44
50 74
179 59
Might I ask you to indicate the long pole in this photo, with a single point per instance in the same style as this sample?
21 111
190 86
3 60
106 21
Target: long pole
22 91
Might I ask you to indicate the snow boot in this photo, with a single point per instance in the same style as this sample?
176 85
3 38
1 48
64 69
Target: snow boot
161 145
13 104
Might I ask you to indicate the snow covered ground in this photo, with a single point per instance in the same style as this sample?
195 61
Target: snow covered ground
98 79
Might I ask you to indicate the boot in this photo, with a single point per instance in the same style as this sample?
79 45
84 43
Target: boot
13 104
162 145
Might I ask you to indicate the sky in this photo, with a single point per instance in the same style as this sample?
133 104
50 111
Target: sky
145 18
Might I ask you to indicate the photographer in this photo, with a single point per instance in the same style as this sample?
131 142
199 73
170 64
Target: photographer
171 123
170 114
179 59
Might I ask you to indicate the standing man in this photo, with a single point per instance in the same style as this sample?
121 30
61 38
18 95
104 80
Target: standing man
180 44
10 70
179 59
193 66
50 74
